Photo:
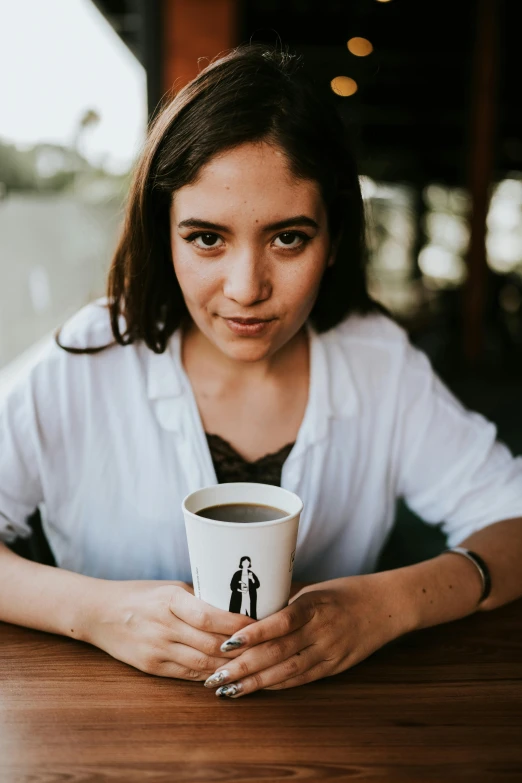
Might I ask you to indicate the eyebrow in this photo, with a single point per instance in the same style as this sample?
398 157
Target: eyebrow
297 220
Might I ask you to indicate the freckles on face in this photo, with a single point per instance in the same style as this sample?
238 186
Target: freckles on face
249 242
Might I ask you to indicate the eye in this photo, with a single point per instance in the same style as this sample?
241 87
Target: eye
204 240
291 240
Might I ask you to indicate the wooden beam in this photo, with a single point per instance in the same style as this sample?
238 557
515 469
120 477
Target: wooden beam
194 29
483 115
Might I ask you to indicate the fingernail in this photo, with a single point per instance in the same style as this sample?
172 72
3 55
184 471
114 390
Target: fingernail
232 644
218 678
229 690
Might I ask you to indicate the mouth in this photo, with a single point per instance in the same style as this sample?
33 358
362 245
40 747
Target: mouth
248 321
248 327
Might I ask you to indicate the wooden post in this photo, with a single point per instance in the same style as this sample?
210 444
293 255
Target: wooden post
483 110
194 29
151 50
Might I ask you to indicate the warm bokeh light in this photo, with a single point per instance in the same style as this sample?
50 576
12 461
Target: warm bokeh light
360 47
443 268
504 234
384 1
344 86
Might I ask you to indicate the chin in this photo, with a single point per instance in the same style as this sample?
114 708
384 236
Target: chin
247 350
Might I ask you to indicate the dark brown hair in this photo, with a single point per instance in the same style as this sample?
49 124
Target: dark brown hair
252 93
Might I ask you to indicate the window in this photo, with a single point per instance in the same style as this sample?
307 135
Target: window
73 118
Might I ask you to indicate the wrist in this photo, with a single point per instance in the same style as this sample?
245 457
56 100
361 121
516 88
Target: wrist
396 601
434 591
90 610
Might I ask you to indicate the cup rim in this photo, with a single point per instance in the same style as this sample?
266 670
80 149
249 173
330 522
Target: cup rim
220 523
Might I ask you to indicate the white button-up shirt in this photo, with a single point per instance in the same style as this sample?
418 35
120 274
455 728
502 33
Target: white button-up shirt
109 445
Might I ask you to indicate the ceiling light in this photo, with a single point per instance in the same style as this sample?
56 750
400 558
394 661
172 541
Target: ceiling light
344 86
360 47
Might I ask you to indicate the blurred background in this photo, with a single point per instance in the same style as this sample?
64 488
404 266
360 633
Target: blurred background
429 93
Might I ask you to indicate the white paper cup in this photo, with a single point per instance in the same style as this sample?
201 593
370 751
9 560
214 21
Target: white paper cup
219 551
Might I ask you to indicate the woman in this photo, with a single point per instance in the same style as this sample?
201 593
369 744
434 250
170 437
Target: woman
243 343
244 586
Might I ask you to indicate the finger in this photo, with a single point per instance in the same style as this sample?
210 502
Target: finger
184 586
280 624
293 668
207 618
177 672
314 673
208 643
259 658
192 659
172 660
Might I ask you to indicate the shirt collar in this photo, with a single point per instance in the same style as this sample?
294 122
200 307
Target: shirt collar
164 377
336 377
332 393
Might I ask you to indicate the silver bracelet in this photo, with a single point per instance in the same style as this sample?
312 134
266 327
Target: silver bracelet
480 565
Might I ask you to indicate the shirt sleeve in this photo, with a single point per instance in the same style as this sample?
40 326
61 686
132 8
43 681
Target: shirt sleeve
20 485
451 468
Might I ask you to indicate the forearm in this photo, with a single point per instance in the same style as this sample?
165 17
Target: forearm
449 586
45 598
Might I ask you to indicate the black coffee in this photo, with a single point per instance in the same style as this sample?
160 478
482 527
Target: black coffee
242 512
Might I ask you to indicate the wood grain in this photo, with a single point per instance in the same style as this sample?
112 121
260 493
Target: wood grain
440 705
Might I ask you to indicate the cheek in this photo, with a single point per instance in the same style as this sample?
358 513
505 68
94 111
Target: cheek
196 280
303 283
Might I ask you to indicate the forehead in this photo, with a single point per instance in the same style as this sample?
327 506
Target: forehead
253 177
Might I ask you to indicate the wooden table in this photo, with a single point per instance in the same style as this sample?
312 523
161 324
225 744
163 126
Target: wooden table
440 705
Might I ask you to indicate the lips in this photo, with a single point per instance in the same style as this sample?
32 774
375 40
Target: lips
248 320
248 327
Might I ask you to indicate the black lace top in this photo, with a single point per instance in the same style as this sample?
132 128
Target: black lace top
231 466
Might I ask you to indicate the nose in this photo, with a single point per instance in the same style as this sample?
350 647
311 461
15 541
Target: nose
247 280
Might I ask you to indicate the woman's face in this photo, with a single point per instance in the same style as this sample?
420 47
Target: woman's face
250 245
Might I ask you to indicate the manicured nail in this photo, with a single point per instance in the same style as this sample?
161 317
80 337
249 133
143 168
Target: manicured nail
218 678
229 690
232 644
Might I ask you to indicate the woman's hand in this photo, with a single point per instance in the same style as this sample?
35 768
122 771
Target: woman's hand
326 628
161 628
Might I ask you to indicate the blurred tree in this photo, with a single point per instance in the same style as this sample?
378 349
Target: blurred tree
89 119
17 171
42 168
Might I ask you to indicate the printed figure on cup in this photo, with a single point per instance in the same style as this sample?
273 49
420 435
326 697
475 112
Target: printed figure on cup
244 586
